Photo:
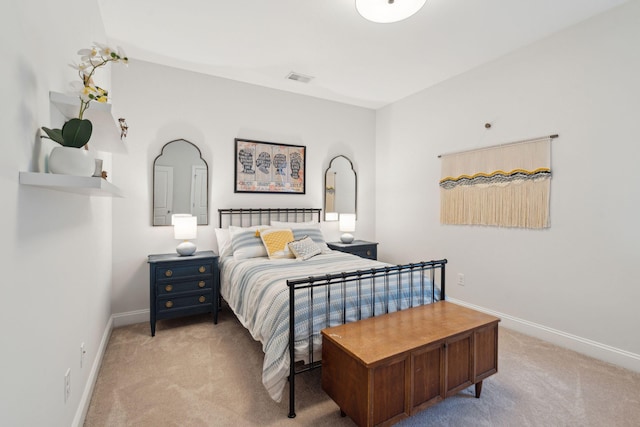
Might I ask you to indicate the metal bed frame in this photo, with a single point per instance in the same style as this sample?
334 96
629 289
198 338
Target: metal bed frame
405 272
246 217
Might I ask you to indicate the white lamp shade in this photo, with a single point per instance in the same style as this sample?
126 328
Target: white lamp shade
174 216
347 222
184 227
331 216
347 225
384 11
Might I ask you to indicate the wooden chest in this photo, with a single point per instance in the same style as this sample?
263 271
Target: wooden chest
383 369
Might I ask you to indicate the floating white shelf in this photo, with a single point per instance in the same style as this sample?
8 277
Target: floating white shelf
106 129
88 185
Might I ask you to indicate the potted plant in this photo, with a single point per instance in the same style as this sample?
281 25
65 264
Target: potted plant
76 132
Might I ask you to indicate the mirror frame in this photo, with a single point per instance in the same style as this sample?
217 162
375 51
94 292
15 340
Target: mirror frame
324 187
153 187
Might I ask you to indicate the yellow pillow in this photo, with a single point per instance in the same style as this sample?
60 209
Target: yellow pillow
276 241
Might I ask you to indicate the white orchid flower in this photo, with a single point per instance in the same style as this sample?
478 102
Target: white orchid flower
96 61
91 59
101 98
82 90
87 54
79 67
105 50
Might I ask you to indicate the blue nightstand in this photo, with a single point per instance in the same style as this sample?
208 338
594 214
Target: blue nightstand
183 285
361 248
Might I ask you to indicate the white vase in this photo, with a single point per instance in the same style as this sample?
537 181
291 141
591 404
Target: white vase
71 161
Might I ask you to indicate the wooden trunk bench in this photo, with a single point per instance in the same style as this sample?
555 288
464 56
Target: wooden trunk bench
386 368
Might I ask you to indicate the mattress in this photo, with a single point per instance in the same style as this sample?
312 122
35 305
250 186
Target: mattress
256 291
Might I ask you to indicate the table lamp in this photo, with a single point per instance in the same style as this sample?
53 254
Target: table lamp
347 226
185 227
331 216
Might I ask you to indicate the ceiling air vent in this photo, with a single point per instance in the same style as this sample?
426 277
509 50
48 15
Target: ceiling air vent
299 77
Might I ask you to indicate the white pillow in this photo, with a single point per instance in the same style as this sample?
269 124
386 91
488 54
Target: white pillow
302 229
223 237
246 242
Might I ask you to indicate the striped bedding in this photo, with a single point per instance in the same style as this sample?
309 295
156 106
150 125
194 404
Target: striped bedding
257 292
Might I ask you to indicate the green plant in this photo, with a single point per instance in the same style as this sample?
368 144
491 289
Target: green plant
76 132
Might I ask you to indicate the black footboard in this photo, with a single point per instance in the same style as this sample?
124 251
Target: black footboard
346 297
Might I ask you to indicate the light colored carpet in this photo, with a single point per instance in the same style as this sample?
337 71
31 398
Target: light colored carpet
193 373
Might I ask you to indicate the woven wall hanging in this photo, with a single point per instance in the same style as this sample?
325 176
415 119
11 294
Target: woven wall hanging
506 185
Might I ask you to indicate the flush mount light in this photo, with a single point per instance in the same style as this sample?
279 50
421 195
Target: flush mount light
386 11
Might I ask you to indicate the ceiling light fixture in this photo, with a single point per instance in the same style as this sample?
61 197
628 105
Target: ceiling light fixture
386 11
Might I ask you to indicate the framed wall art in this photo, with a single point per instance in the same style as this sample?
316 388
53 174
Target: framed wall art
269 167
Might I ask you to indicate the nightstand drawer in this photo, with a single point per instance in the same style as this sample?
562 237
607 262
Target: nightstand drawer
178 271
195 300
171 287
360 248
370 252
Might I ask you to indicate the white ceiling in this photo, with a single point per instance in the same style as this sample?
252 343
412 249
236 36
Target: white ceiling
352 60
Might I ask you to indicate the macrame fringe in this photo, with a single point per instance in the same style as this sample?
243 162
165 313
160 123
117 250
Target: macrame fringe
518 205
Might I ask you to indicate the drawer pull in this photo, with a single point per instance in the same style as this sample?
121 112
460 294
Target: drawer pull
202 299
369 252
168 288
168 273
202 269
201 284
168 304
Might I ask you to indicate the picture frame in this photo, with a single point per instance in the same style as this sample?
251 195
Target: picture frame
269 167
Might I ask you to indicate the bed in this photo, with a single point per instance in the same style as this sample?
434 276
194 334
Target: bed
325 289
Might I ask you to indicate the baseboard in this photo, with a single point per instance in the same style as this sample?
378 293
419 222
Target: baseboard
85 400
130 317
594 349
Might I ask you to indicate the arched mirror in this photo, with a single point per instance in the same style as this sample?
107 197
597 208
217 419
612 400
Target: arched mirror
340 188
180 183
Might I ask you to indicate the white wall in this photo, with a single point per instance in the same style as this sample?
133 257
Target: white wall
56 247
578 277
162 104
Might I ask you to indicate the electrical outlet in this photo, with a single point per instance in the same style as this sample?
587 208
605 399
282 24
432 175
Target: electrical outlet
83 352
67 385
460 279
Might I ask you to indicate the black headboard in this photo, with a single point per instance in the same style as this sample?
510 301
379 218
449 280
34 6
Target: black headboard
246 217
